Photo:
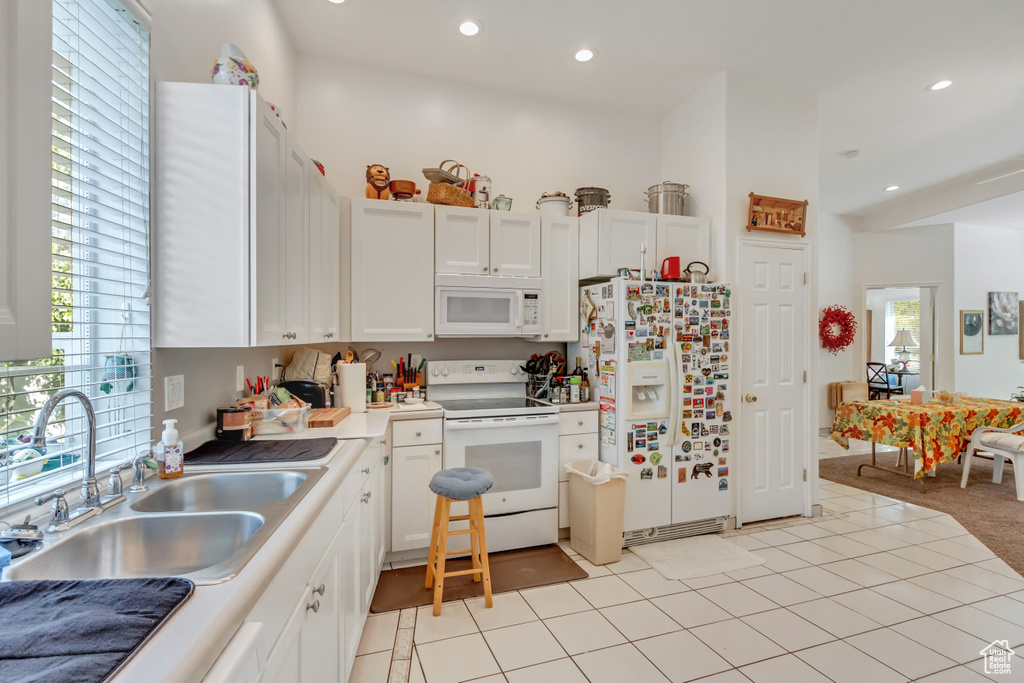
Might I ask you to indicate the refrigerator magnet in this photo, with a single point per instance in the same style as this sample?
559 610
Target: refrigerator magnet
723 484
682 475
702 468
638 459
655 458
721 461
646 473
686 446
723 471
662 472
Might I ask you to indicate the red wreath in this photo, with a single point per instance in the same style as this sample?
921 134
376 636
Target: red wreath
836 328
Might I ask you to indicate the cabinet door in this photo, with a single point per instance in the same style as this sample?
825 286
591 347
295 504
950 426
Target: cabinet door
412 512
687 237
367 544
515 244
560 269
330 267
319 652
462 240
392 271
351 602
380 503
269 257
612 239
317 287
295 278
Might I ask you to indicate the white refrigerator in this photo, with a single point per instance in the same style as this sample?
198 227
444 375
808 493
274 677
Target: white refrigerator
658 357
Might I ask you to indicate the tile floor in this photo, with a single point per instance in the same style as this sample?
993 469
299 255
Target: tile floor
876 590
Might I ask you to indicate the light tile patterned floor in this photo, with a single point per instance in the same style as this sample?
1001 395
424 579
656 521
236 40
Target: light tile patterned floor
877 590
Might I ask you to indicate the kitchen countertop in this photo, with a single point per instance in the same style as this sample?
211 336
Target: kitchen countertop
188 644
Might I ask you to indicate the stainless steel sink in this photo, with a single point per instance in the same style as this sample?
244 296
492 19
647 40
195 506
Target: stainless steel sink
221 491
205 527
157 545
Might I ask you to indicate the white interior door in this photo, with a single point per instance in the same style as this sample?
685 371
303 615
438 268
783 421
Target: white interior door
774 419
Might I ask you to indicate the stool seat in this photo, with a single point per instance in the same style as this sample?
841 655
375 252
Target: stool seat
461 483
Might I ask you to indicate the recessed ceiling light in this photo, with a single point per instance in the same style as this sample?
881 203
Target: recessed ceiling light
584 55
851 153
892 188
336 2
940 85
470 27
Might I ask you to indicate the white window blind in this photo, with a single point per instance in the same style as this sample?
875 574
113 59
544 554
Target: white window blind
100 230
904 314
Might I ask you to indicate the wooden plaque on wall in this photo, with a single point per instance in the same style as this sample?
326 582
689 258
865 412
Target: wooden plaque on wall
774 214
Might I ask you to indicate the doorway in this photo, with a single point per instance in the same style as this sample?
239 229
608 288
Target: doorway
902 332
774 408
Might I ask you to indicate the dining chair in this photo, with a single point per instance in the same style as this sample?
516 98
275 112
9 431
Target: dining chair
879 382
1003 444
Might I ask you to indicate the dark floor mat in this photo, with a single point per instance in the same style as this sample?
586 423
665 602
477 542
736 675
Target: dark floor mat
277 450
510 570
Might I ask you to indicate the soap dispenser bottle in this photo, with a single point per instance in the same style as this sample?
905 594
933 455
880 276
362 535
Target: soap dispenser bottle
170 455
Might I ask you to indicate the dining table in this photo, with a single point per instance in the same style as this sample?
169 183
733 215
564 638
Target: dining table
935 431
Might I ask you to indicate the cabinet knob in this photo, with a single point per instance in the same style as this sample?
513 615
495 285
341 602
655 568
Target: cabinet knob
437 451
579 446
315 606
495 270
365 470
429 335
319 590
485 269
579 422
419 433
546 335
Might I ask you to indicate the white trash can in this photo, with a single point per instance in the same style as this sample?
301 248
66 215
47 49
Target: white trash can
597 501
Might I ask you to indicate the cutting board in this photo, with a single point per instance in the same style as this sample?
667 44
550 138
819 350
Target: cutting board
327 417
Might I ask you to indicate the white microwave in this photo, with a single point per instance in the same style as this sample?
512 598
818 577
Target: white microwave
486 306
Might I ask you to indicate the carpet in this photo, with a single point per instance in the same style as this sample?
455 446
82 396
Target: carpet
691 558
511 570
989 511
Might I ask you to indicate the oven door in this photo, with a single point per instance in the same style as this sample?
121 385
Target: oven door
520 452
472 312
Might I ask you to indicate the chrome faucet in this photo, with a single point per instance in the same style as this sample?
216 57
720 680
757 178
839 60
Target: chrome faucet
90 504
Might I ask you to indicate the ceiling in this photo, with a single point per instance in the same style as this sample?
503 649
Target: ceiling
870 61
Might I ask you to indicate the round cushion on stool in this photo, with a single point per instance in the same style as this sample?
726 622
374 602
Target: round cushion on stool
461 483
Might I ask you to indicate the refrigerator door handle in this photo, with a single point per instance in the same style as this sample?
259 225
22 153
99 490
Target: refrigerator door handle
673 389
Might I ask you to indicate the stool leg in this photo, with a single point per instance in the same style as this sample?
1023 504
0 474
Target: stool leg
997 469
474 541
1018 475
433 545
442 553
967 466
478 512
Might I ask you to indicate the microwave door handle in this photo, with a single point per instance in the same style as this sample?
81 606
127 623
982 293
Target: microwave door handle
519 308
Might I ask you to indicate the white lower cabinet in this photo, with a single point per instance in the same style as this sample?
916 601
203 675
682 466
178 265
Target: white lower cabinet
416 456
315 638
577 440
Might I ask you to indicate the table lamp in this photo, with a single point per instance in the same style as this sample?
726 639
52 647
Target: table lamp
903 339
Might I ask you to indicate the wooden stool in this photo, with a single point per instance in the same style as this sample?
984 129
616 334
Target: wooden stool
458 484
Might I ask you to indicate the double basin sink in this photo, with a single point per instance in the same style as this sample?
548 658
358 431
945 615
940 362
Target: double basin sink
204 527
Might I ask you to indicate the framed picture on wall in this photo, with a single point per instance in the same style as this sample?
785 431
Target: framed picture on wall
1002 313
972 332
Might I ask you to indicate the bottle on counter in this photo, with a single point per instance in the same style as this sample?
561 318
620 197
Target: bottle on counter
584 389
170 453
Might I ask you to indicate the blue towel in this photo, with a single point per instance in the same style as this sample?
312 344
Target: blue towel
82 630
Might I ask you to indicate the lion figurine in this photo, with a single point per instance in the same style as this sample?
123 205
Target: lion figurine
378 182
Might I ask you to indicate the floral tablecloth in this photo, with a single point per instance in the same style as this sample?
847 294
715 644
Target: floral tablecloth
936 432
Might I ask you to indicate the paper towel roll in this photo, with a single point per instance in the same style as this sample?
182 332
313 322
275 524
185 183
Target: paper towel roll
352 381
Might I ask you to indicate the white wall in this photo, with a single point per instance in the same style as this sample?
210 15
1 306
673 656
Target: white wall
693 152
188 35
835 287
909 257
987 260
350 116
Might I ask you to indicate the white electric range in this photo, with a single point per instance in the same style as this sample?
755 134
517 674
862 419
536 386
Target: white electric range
490 423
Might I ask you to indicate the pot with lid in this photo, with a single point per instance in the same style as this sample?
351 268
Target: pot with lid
554 204
666 198
590 198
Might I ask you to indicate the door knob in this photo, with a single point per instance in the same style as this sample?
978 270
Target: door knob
750 398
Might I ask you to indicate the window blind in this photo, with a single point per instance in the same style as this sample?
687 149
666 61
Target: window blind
100 262
904 314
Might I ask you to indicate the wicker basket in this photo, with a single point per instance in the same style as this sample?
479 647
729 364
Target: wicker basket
451 195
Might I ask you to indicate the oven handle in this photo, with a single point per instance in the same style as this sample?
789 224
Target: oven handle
491 422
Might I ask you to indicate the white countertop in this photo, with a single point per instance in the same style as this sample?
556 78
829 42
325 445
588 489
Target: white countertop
191 640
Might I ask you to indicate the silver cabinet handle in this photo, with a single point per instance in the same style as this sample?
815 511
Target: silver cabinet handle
365 470
315 606
429 335
366 497
319 590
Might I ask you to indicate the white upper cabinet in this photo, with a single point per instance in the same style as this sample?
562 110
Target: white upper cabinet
328 286
462 240
687 237
560 248
477 242
515 244
611 239
392 292
25 183
317 190
296 244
